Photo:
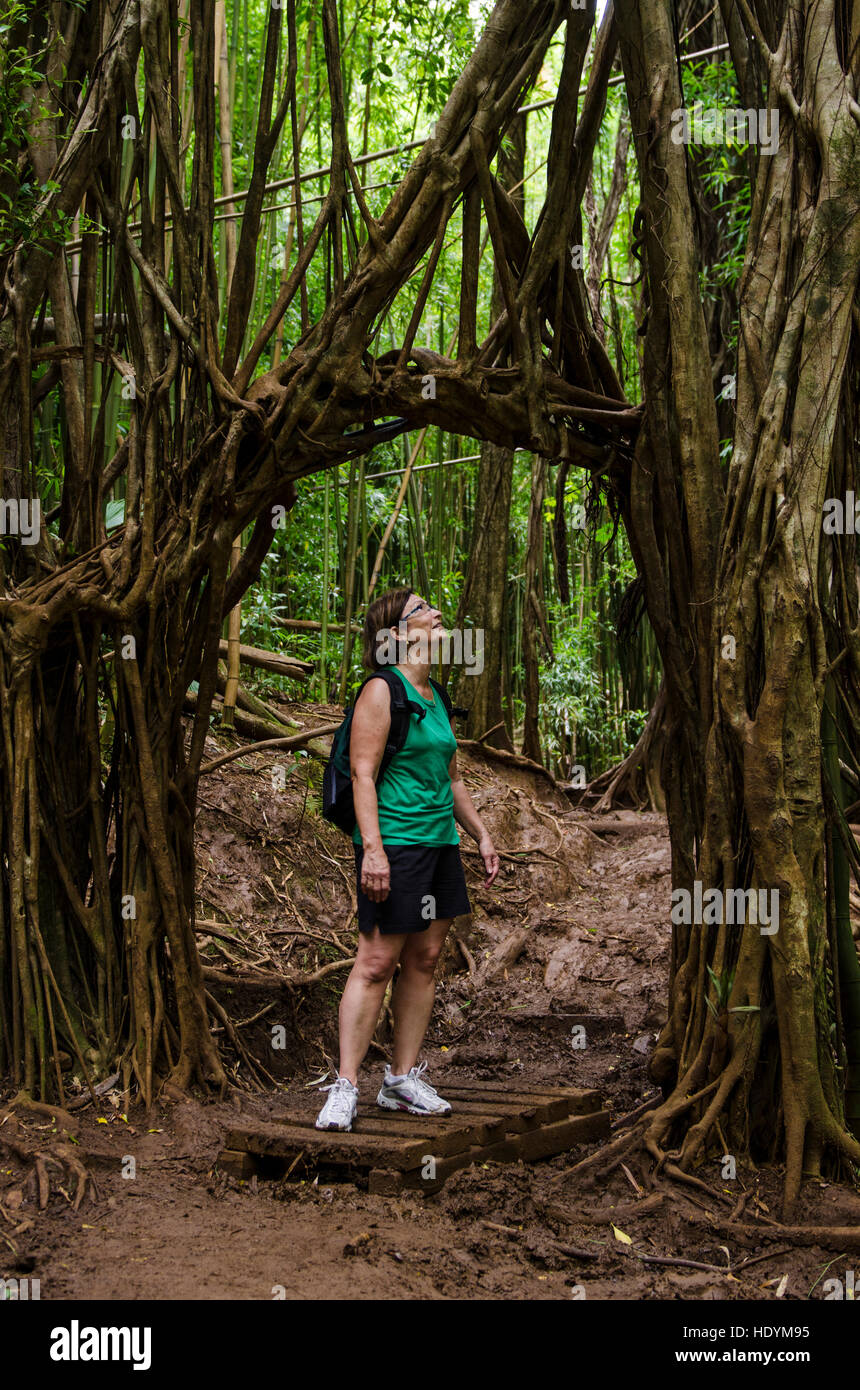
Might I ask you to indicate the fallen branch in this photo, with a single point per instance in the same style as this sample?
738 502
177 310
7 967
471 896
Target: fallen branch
246 1022
293 741
312 625
489 732
324 970
683 1264
267 979
252 725
518 858
715 1269
262 660
247 701
257 1070
206 928
306 931
576 1251
270 980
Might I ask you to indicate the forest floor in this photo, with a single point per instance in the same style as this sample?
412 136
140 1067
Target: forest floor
593 893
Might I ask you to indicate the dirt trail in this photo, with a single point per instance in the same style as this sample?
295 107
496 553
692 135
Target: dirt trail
575 931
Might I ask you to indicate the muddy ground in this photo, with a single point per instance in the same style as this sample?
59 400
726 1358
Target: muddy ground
275 884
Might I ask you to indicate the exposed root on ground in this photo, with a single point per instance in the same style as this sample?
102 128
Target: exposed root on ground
646 1132
39 1158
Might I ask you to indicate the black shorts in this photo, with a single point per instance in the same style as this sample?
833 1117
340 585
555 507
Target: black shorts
427 883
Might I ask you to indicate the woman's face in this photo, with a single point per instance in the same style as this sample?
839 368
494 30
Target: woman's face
420 616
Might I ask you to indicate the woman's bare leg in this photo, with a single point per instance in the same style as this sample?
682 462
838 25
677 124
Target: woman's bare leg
362 997
412 999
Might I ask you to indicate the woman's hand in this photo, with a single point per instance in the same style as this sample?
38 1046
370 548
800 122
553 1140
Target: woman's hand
487 851
375 875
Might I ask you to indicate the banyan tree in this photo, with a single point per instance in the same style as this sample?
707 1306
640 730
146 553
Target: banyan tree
111 299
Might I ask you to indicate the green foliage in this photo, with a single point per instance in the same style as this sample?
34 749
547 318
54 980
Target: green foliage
22 214
114 515
397 79
722 986
575 700
400 60
723 170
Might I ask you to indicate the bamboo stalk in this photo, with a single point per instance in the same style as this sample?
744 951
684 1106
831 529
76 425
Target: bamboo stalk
362 495
349 577
234 632
325 593
392 520
225 120
401 493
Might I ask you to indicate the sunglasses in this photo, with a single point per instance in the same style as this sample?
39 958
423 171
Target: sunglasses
419 608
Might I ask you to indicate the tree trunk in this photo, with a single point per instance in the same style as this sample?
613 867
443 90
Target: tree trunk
97 938
484 600
534 617
752 1013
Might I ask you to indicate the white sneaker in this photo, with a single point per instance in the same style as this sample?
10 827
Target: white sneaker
339 1110
412 1094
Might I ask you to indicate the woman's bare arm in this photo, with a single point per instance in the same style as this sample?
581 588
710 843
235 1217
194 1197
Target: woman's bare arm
371 723
465 813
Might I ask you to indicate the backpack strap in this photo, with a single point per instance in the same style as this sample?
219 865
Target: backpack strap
401 708
399 698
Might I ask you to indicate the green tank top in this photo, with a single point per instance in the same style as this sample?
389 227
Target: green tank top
416 803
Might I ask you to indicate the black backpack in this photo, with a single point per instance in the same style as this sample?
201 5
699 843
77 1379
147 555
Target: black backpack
338 804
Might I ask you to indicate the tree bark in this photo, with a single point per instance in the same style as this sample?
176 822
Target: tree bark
484 600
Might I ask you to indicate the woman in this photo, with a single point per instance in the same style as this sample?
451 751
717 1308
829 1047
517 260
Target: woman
410 881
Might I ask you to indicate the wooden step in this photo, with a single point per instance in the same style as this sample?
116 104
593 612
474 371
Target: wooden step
332 1146
456 1132
518 1116
398 1151
580 1101
529 1147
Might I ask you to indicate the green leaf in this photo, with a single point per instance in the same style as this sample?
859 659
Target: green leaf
114 514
